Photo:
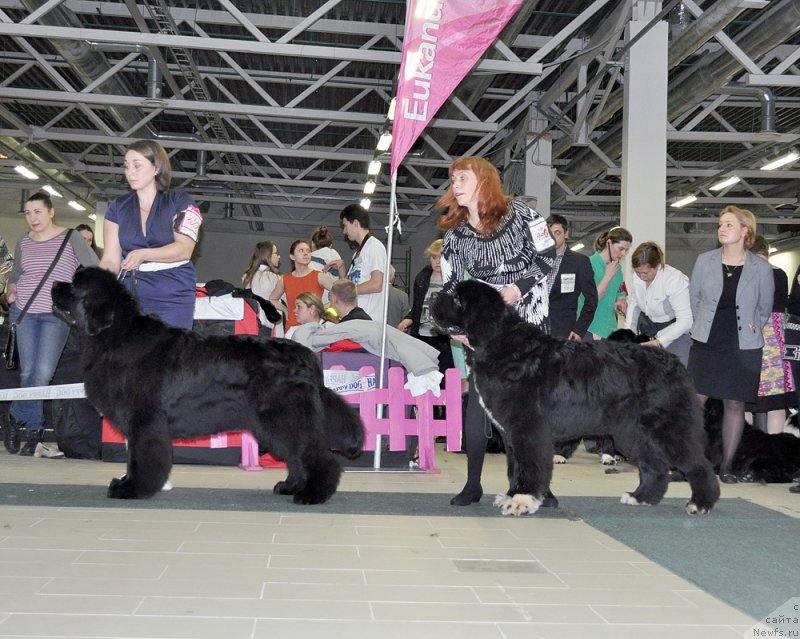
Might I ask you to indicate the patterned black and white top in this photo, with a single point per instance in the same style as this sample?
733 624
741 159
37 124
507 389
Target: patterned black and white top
521 251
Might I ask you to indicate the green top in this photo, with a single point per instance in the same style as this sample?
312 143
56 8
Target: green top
605 319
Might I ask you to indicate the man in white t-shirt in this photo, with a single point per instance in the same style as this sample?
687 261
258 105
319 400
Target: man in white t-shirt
368 263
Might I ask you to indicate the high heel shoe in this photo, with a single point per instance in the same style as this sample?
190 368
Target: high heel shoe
469 495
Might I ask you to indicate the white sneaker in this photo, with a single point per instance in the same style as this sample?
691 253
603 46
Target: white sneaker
167 486
50 451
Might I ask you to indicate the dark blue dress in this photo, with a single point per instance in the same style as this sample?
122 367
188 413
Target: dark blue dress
167 293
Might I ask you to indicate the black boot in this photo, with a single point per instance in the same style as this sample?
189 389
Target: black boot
35 437
470 494
11 434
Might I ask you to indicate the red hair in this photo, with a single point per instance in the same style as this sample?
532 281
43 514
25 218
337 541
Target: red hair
492 201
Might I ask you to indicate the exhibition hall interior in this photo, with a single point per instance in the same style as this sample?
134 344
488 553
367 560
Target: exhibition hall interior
275 116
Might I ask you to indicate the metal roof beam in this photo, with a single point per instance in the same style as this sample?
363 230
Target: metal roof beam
310 115
314 52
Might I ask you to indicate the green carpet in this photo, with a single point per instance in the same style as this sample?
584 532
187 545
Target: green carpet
342 503
742 553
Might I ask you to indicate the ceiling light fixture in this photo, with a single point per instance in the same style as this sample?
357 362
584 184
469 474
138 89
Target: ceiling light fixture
578 246
783 160
772 250
374 167
51 191
365 203
76 206
390 114
684 201
385 141
26 172
724 184
369 187
92 217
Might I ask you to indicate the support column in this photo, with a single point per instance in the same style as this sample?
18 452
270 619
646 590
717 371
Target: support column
644 129
539 166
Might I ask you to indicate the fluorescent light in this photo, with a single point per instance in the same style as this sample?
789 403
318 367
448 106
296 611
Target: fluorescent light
772 249
365 203
683 202
369 187
390 114
51 191
76 206
26 172
374 167
724 184
787 158
385 141
578 246
92 217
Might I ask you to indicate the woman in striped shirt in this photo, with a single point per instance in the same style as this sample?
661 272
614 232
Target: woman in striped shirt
504 243
41 335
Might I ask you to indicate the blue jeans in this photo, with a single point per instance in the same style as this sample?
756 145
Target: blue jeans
40 339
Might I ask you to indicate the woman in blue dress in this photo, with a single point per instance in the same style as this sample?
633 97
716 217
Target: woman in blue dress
150 235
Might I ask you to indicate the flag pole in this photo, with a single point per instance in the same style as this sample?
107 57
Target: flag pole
393 218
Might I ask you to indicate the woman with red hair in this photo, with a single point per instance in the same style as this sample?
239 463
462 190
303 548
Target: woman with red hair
500 241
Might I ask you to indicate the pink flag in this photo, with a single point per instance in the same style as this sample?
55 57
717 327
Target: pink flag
443 41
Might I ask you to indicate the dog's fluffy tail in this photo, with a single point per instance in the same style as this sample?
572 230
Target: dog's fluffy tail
345 430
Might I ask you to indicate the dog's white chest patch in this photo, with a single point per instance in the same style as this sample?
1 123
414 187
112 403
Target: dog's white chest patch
486 408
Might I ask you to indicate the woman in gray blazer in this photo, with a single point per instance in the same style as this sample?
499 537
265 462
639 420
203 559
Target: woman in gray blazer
731 293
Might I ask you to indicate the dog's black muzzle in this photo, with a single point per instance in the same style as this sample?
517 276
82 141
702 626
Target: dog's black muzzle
445 311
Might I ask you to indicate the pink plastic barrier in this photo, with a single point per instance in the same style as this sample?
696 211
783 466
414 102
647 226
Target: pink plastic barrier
392 422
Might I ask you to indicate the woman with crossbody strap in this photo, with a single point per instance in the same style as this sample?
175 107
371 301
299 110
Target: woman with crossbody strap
41 335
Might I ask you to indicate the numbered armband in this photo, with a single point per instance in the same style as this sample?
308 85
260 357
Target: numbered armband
188 222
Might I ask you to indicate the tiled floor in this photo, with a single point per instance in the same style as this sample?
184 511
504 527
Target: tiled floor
70 572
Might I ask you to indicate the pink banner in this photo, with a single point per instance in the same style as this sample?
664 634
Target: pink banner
443 41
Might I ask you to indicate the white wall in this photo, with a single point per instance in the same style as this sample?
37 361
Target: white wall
788 261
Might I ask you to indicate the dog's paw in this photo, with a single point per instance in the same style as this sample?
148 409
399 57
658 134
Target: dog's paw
559 459
121 488
608 460
629 499
282 488
516 505
694 509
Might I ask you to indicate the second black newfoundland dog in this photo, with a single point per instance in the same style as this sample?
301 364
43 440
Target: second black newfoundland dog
538 389
157 383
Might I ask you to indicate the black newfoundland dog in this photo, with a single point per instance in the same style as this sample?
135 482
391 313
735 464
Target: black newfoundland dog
157 383
538 389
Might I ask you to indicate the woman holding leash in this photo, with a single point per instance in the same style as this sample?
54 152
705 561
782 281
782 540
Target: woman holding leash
731 292
504 243
150 235
659 305
47 253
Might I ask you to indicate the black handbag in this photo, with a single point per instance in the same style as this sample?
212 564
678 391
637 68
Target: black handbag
11 352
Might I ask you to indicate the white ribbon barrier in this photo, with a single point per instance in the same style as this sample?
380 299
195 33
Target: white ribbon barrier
63 391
